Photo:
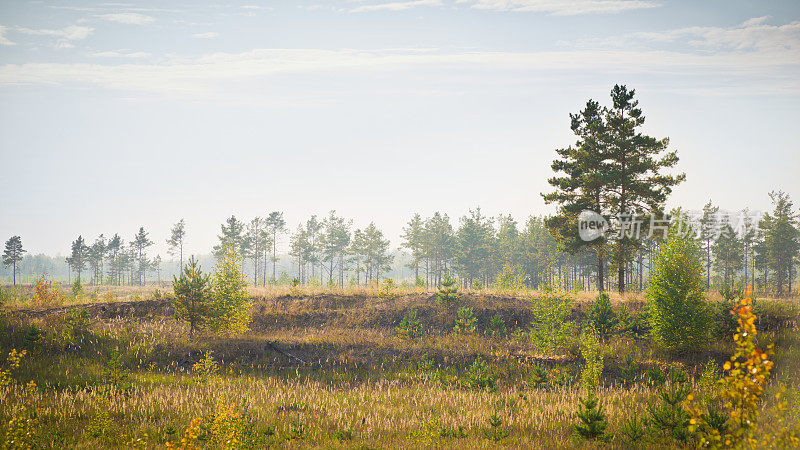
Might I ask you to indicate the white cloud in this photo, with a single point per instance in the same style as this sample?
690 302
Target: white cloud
70 33
562 7
257 7
208 35
217 72
396 6
120 54
753 35
3 39
127 18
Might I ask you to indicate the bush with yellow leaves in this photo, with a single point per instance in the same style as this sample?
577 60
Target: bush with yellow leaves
12 362
226 427
21 428
728 417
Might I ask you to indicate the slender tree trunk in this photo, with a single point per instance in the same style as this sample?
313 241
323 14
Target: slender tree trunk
600 274
274 251
708 265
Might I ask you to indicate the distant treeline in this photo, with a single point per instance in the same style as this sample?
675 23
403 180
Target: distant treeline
480 251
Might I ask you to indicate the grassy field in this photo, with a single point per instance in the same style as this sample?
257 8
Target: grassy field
327 369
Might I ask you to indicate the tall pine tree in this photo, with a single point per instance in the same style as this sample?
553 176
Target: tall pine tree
13 254
781 240
636 165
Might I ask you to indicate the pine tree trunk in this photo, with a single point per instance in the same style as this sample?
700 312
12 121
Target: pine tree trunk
600 274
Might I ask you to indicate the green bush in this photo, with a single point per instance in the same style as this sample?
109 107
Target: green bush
231 306
476 285
725 322
679 315
592 419
497 326
465 322
629 370
448 290
511 278
667 414
409 327
550 328
592 353
539 376
480 376
632 324
602 316
77 323
495 432
193 301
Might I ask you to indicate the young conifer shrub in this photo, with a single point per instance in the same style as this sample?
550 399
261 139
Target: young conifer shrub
388 290
592 421
409 327
539 377
667 414
511 279
633 431
116 376
448 290
495 432
602 316
193 296
497 326
465 321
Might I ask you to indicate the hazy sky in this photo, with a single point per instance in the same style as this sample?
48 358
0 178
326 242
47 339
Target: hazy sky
116 115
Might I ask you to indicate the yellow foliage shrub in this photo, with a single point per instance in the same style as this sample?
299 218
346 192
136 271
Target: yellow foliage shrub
729 418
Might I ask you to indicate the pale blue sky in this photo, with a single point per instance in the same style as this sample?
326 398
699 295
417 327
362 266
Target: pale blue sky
120 114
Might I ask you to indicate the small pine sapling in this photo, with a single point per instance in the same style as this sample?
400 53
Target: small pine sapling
667 414
602 316
633 431
629 370
33 337
387 290
592 423
539 376
193 296
448 290
116 377
480 375
409 327
497 326
495 432
465 321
